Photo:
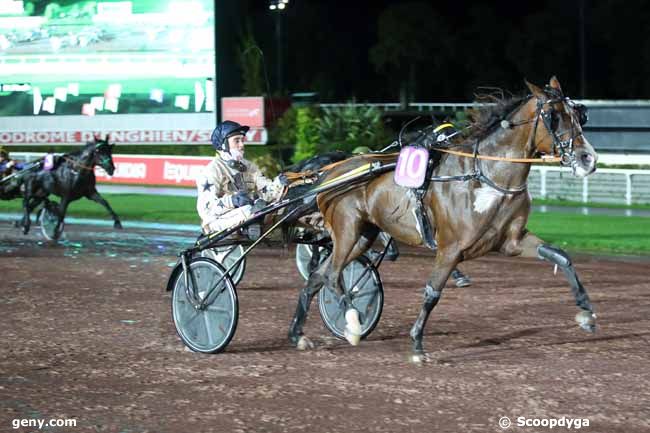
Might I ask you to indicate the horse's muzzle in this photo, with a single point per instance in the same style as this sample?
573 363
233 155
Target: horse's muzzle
585 163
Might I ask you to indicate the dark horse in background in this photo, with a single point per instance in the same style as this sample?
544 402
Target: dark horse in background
72 178
485 209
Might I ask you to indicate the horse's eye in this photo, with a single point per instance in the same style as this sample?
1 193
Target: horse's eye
555 120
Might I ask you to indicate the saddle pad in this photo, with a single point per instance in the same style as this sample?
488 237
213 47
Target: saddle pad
411 167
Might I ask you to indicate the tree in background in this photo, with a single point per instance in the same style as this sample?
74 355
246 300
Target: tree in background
249 57
306 134
350 127
410 47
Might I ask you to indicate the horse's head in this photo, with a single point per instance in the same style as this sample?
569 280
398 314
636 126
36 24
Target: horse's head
558 126
104 154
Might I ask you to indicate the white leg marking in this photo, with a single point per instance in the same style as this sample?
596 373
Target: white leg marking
352 327
304 343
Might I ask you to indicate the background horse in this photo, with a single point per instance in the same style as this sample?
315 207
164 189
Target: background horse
484 210
72 178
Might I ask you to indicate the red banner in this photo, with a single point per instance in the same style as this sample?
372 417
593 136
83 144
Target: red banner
154 170
244 110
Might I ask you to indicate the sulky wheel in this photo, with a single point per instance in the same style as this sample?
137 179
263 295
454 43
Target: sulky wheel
226 256
207 329
303 257
367 298
47 219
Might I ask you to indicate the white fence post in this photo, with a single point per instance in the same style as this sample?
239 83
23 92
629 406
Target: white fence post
585 190
628 188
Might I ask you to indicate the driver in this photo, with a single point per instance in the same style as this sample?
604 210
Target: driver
231 188
7 164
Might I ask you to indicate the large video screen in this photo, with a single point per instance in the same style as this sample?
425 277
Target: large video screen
106 57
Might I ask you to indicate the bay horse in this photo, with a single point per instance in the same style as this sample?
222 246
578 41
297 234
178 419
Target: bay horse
72 178
314 165
476 203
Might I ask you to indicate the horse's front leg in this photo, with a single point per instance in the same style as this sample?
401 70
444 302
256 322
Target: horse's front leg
532 246
96 197
443 265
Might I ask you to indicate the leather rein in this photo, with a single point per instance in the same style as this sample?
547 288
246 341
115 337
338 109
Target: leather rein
76 163
543 158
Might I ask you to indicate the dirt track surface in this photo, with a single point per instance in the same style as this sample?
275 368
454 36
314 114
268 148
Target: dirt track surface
86 333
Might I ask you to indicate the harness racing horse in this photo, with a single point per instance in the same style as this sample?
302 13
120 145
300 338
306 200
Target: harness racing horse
476 203
72 178
316 164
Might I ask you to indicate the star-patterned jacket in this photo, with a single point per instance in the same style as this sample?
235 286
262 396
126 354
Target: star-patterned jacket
219 182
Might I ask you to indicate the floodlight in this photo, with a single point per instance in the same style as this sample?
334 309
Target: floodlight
281 5
272 6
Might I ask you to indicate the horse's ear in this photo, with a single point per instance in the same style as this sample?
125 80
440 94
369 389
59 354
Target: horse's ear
108 137
555 83
536 91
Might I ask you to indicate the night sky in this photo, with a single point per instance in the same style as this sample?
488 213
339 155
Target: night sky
375 50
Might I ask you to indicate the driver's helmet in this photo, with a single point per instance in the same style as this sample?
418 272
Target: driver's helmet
360 150
223 131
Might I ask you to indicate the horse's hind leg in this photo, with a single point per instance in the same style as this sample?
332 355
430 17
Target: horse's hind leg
320 277
350 240
315 282
30 201
96 197
60 216
443 265
532 246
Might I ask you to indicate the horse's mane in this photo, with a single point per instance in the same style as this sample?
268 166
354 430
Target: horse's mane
78 152
484 119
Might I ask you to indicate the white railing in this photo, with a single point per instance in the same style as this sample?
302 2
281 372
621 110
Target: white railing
607 185
416 106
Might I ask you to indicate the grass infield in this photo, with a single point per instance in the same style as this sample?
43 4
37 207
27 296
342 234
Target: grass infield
598 234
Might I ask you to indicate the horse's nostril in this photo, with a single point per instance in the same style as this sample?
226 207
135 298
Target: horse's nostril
587 159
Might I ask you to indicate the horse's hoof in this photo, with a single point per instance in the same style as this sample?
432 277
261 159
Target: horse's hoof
418 358
117 225
352 327
304 343
586 320
460 279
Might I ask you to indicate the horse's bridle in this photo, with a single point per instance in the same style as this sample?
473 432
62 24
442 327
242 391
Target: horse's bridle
561 148
98 161
103 159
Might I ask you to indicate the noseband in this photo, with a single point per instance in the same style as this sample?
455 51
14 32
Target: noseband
564 149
